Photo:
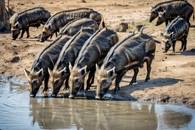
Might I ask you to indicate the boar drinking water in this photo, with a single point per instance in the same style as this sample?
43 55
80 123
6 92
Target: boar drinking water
45 60
130 53
68 55
92 53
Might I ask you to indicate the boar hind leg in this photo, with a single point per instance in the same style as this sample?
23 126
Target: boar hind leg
118 80
27 32
148 65
134 79
184 43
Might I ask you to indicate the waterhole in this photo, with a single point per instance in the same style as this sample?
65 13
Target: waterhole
20 112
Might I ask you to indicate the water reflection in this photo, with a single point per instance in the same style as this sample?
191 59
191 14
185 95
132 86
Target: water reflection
173 118
88 115
18 111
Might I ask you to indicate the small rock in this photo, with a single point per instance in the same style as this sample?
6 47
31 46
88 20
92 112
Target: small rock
83 1
122 27
15 53
164 98
15 59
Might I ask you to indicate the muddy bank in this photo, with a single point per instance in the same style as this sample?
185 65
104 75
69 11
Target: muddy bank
172 77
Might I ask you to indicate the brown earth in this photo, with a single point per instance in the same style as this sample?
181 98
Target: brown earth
172 77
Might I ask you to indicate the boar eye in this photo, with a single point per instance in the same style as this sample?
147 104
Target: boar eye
56 80
104 81
76 80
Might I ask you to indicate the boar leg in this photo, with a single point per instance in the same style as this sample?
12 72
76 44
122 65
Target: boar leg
27 32
46 79
22 34
166 22
118 80
173 45
51 36
66 82
184 43
134 79
148 65
90 79
57 32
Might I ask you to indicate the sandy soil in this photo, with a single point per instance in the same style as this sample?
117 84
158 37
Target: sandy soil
172 77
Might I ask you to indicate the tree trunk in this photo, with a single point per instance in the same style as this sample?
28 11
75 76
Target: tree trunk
4 18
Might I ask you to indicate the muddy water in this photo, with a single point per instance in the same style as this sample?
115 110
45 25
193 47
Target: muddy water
19 112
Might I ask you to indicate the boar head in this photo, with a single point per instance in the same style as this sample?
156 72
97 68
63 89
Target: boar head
58 78
104 80
35 80
77 79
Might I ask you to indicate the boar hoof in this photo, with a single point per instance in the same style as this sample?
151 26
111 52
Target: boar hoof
54 95
32 95
71 96
45 93
97 97
146 80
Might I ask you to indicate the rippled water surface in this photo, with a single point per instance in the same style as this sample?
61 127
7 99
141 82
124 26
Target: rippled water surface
19 112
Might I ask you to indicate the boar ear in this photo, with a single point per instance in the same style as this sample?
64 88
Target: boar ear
156 41
111 72
27 73
161 13
45 29
40 72
70 66
16 25
83 70
162 34
50 71
63 70
97 67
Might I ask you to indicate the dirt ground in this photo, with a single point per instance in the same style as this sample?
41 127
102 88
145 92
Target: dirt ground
172 77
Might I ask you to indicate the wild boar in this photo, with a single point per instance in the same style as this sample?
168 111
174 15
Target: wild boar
46 59
92 53
169 10
29 18
60 19
74 26
130 53
68 55
177 30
